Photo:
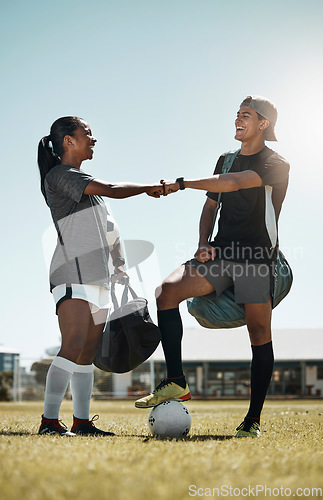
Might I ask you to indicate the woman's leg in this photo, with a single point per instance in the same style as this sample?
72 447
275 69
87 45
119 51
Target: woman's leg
81 332
74 319
82 378
57 380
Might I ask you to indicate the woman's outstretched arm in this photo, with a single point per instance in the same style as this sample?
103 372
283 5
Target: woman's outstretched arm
122 189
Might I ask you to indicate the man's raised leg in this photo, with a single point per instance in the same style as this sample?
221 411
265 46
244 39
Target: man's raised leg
183 283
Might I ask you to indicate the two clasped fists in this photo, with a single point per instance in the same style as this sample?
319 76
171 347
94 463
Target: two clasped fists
163 189
205 252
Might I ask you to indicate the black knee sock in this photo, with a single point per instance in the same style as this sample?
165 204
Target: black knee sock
170 325
261 372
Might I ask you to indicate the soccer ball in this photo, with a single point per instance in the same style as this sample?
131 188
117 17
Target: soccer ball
169 419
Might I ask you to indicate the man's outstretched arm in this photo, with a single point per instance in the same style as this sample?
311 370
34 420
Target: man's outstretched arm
219 183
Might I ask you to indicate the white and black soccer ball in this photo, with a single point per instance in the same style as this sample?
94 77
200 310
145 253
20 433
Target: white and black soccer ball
169 419
113 233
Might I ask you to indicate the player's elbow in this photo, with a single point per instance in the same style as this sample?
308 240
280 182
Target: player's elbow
246 180
232 185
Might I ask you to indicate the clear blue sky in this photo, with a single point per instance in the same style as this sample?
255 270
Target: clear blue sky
160 83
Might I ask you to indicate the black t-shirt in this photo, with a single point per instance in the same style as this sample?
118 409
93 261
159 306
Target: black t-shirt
247 228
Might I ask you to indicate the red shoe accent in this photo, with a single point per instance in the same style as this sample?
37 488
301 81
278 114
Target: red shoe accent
86 427
79 421
53 426
186 397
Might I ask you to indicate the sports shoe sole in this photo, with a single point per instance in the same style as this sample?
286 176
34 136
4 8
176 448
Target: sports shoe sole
96 434
187 397
47 432
249 435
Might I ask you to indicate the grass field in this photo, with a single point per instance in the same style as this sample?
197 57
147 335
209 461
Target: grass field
132 465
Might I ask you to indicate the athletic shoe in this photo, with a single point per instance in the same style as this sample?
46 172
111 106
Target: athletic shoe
165 391
86 427
248 429
54 426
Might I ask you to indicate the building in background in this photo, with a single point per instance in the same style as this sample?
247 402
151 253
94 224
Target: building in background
7 358
216 364
9 364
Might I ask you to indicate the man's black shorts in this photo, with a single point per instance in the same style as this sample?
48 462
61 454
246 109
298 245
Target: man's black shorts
253 283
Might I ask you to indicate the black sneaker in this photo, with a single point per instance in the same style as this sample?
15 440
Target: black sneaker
54 426
86 427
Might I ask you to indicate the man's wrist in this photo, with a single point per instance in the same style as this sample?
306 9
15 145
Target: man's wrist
180 181
203 243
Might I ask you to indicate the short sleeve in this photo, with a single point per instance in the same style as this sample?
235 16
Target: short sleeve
217 170
274 171
68 181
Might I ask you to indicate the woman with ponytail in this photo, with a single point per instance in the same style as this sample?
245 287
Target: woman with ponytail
79 272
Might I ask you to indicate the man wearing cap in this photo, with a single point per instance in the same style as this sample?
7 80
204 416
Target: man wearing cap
242 254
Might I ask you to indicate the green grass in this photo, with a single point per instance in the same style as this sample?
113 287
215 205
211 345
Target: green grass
132 465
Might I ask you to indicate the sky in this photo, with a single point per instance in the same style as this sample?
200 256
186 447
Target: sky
160 83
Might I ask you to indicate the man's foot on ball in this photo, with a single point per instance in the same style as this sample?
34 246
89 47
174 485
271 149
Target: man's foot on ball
166 391
86 427
248 428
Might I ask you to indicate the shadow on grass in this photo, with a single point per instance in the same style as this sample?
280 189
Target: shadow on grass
194 438
208 437
13 433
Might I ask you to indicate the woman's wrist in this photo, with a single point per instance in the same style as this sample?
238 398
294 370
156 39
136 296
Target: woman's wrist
118 261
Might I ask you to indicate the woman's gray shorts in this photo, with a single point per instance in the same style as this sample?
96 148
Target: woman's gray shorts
253 283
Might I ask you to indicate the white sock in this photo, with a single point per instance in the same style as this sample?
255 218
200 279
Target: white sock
58 377
81 387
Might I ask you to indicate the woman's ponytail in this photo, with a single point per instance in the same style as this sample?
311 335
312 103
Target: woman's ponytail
47 159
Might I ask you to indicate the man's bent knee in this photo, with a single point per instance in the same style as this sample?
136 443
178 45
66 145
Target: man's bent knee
259 335
166 296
